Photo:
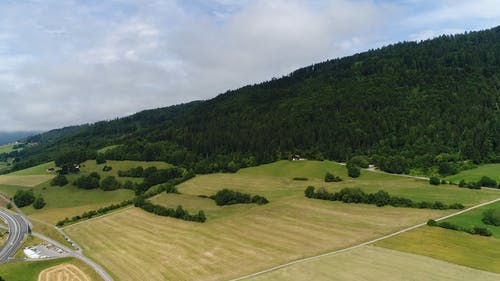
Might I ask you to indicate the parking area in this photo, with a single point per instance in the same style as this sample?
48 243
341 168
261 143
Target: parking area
44 251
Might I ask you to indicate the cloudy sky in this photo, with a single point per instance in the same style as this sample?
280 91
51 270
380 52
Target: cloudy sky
72 62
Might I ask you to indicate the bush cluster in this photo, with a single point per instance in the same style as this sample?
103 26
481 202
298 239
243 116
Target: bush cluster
475 230
159 210
59 180
492 217
152 176
434 181
484 181
24 198
329 177
379 198
229 197
88 182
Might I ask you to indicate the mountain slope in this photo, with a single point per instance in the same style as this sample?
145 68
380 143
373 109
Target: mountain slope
407 105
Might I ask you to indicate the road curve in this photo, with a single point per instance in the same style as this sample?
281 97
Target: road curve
76 254
18 229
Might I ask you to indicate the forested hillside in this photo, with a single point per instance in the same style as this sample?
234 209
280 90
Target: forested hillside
408 105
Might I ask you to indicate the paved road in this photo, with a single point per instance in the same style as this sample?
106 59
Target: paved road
364 243
18 229
77 254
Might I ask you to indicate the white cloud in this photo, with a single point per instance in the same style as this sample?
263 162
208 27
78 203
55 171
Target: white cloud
65 62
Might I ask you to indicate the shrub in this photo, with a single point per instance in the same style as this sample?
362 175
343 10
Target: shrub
110 183
434 181
59 180
88 182
309 192
360 161
480 231
229 197
492 217
107 168
488 182
24 198
353 171
432 222
329 177
39 203
461 183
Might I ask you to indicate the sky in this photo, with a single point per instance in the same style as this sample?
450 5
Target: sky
74 62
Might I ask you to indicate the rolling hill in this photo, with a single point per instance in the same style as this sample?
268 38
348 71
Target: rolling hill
414 105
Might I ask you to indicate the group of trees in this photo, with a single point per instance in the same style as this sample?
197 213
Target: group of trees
159 210
380 198
475 230
229 197
88 182
59 180
484 181
24 198
152 176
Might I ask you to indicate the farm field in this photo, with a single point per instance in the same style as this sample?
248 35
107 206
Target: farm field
474 175
6 148
63 272
375 263
301 227
215 250
474 218
69 200
453 246
29 271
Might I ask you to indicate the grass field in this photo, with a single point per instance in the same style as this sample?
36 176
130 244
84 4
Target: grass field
68 201
453 246
49 231
29 181
374 263
474 175
289 227
6 148
216 249
474 218
29 271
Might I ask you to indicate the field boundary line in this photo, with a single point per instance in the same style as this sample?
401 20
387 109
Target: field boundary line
362 244
98 217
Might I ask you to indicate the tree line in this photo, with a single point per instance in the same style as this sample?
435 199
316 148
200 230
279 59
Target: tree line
379 198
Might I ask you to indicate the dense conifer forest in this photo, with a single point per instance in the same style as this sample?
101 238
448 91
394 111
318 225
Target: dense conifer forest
427 105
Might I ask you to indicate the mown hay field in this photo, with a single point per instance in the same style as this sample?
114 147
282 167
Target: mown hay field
453 246
371 263
63 272
135 245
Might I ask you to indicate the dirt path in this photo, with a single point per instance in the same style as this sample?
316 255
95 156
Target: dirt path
63 272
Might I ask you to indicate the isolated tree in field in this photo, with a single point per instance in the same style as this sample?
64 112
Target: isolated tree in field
110 183
39 203
434 180
353 170
59 180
